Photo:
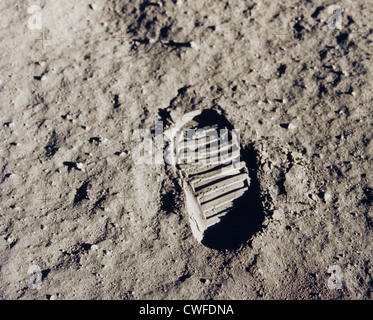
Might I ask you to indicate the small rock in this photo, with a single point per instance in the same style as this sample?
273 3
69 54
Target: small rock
194 45
278 215
8 124
80 166
327 197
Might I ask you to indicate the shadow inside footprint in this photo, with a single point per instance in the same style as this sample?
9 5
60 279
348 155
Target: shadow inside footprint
245 218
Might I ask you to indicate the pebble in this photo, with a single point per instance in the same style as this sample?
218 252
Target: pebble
278 215
327 197
80 166
194 45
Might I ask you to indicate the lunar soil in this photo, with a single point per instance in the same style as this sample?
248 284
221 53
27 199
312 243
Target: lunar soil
81 219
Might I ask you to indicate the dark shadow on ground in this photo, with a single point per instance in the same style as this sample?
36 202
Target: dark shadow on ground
246 216
210 117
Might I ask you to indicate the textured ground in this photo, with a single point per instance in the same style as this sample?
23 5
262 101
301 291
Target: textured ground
74 203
